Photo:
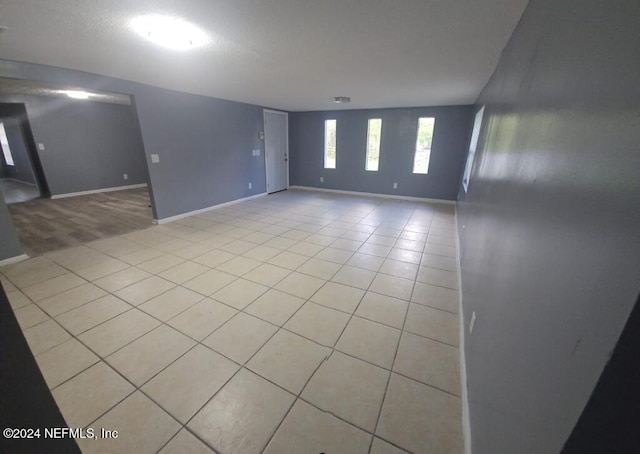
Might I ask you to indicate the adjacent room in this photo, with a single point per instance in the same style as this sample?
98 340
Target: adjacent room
378 227
86 176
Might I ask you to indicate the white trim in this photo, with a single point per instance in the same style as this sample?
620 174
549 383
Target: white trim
96 191
264 129
466 419
375 194
12 260
204 210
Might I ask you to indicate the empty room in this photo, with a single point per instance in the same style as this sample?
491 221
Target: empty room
387 227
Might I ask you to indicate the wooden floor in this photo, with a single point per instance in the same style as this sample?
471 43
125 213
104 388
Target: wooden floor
46 225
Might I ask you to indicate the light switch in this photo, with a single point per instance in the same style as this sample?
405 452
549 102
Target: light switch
41 146
256 152
155 158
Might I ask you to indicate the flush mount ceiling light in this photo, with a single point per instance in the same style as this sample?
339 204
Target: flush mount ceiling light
170 32
76 94
342 99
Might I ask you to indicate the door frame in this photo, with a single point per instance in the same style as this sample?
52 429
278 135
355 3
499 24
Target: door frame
286 130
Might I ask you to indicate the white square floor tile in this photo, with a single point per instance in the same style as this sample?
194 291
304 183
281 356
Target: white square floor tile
335 255
348 388
288 360
113 334
369 341
319 268
318 323
65 301
53 286
396 287
143 427
184 443
434 296
267 274
64 361
214 258
309 430
383 309
338 296
243 415
241 337
354 277
91 314
300 285
184 272
382 447
144 290
149 354
275 306
121 279
421 419
209 282
433 323
187 384
171 303
202 318
238 266
288 260
399 268
240 293
262 253
88 395
30 315
430 362
366 261
44 336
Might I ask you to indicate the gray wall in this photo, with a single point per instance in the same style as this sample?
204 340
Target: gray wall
550 229
204 143
397 148
10 245
21 170
88 145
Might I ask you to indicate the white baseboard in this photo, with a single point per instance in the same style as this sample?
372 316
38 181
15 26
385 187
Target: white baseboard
466 418
204 210
96 191
375 194
12 260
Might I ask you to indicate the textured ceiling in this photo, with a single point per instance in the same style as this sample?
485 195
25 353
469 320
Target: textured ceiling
288 54
28 87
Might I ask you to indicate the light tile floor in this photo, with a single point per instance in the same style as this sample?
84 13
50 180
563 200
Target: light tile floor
295 323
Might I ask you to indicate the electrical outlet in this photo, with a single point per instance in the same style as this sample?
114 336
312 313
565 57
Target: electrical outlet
41 146
250 185
321 179
125 176
473 322
395 185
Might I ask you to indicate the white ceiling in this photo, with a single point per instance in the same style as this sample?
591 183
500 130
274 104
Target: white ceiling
288 54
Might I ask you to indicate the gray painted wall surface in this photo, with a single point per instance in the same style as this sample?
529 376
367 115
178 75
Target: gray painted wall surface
21 170
88 145
204 143
204 146
397 148
551 239
10 245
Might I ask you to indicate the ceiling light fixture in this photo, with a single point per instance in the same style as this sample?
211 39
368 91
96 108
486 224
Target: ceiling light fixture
170 32
342 99
75 94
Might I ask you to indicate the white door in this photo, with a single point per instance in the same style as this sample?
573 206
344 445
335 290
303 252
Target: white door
276 150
